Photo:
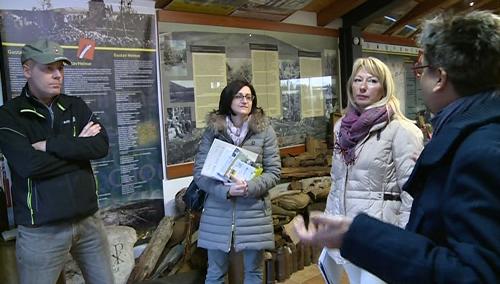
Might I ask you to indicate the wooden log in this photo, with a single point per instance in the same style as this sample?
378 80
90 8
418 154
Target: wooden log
290 162
149 258
315 146
307 159
321 161
304 172
295 185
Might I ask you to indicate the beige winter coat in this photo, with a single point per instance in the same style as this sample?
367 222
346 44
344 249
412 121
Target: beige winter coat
372 185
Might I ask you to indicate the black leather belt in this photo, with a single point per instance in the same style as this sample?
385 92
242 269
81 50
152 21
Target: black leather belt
392 197
30 226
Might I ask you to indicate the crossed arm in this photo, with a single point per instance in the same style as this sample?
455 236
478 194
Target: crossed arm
90 130
55 155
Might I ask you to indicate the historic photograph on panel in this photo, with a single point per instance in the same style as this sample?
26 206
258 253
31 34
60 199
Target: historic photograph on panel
239 69
329 63
109 23
174 57
181 91
289 69
290 99
180 123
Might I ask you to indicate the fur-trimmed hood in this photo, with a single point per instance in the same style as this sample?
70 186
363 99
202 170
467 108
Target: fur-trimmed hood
258 121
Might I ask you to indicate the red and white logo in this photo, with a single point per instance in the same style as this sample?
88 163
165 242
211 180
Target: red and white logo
86 48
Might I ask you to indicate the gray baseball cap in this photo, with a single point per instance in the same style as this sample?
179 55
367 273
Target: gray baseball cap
44 51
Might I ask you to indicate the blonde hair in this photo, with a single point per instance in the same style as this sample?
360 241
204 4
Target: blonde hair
380 70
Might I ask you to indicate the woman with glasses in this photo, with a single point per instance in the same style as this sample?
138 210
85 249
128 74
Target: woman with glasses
375 150
237 215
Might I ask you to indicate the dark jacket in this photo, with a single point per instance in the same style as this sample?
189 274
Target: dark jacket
453 235
250 218
58 184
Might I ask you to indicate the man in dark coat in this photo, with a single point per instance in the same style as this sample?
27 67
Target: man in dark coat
453 235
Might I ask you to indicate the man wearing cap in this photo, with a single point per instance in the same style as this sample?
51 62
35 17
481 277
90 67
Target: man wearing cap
49 139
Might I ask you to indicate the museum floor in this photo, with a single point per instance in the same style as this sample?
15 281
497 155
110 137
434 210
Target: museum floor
310 275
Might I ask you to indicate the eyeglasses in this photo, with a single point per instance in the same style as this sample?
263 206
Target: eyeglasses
241 97
418 68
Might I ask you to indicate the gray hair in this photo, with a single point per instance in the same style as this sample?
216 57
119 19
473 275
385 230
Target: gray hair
467 47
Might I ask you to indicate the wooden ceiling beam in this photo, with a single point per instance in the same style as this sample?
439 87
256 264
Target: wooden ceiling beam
388 39
162 4
491 6
457 7
419 10
239 22
368 12
317 5
336 10
414 34
480 4
445 6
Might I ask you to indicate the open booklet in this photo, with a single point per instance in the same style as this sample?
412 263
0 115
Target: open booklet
226 161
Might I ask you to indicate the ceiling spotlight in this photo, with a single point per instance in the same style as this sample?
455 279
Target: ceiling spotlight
471 3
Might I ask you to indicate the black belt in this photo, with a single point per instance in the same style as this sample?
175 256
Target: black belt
392 197
30 226
74 220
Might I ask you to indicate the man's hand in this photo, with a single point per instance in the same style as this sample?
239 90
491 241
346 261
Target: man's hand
40 145
323 230
90 130
239 188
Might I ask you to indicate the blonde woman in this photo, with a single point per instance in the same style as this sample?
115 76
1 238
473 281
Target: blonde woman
375 150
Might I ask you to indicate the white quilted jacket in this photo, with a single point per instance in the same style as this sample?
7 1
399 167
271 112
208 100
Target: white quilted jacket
372 185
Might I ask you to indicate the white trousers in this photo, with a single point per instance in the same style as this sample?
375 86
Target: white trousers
360 276
332 272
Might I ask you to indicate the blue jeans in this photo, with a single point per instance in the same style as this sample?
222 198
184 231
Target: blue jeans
41 251
218 262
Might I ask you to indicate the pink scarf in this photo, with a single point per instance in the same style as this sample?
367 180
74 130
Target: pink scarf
355 126
237 134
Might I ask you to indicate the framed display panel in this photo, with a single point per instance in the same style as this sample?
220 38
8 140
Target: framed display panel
400 60
113 49
293 69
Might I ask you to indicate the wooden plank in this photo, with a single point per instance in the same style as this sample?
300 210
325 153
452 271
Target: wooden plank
388 39
304 172
180 170
292 150
414 34
491 5
368 12
162 4
317 5
336 10
419 10
149 258
237 22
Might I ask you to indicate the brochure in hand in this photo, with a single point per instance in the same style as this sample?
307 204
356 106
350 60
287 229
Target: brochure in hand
226 161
